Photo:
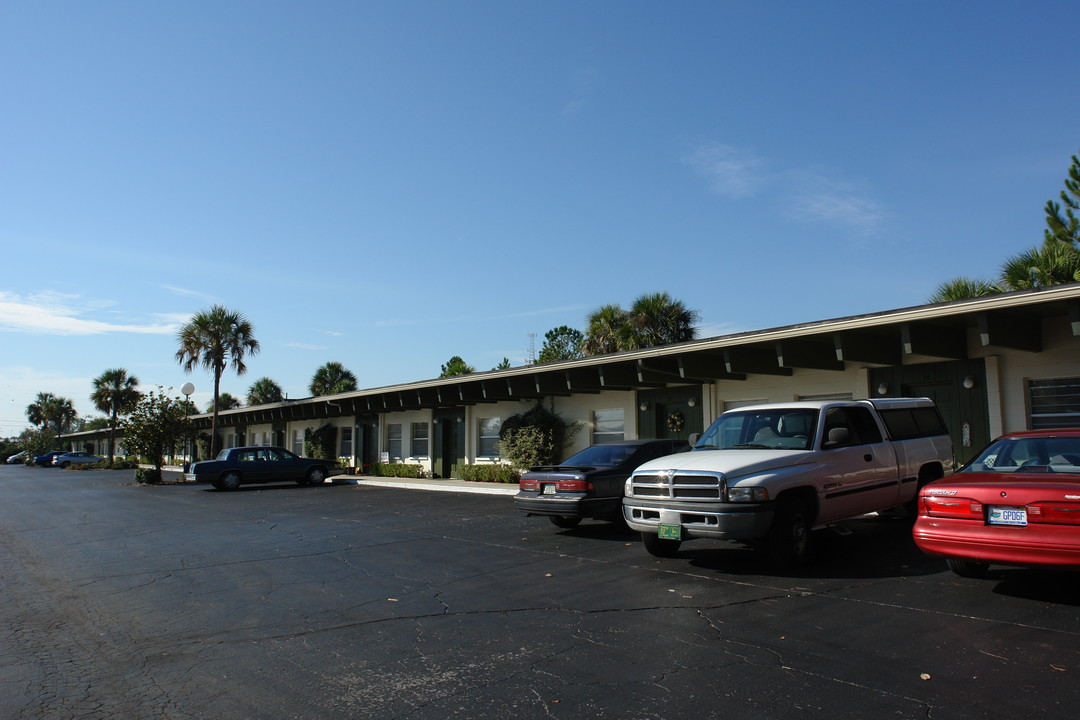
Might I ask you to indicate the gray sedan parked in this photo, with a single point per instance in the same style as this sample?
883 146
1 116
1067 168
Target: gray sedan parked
75 458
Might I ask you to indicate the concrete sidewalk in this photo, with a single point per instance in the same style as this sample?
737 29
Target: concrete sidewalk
460 486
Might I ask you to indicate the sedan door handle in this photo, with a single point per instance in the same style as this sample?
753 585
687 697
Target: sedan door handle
868 457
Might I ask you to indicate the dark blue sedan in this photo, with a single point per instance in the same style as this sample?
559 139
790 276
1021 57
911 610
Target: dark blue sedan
234 467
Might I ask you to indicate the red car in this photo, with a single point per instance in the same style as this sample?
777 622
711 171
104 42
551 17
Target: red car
1017 503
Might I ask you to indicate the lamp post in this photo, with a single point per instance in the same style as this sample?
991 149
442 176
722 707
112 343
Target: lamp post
187 389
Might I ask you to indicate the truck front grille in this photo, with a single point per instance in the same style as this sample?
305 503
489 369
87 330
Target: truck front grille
679 485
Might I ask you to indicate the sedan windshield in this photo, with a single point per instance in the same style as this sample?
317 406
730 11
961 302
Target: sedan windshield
776 429
1029 454
601 455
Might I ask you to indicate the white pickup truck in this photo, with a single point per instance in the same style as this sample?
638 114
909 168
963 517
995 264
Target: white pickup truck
774 472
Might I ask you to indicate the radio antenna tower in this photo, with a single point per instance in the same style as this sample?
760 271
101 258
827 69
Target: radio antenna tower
532 348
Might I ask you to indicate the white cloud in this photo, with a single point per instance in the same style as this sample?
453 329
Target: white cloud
51 313
585 80
820 198
189 293
305 346
810 195
729 171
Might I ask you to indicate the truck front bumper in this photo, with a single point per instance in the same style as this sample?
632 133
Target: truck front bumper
721 521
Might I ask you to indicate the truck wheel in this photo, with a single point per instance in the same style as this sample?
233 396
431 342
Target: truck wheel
564 522
658 547
789 536
968 569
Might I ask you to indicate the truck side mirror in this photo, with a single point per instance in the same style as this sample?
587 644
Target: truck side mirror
837 436
694 437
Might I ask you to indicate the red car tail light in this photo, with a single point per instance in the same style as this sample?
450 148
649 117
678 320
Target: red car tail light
524 484
576 485
1056 513
954 507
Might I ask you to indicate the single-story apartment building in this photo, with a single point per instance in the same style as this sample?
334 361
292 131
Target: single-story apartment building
993 364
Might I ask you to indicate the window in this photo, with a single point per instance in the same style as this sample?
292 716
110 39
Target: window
393 440
345 433
608 425
859 423
1054 402
907 423
419 440
298 442
488 436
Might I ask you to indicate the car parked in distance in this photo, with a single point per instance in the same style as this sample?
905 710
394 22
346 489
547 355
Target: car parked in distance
46 459
588 484
234 467
75 458
1017 503
19 457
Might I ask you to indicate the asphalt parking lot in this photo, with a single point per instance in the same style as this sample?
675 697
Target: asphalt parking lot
345 601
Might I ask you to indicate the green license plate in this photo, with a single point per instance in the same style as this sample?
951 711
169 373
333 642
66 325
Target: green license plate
669 532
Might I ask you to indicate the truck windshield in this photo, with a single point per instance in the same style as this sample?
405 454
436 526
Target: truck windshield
779 429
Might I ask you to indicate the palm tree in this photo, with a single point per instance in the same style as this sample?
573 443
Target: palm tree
331 379
115 393
964 288
37 411
215 339
657 319
1055 263
49 409
225 402
603 330
264 391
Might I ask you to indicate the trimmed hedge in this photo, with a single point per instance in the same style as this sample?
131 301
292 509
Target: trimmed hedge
488 473
402 470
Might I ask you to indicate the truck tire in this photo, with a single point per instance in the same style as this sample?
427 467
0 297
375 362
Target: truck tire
789 536
658 547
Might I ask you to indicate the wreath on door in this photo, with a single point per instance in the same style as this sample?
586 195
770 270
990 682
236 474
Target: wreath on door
675 422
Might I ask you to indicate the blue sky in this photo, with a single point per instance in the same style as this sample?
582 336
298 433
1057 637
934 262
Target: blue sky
388 184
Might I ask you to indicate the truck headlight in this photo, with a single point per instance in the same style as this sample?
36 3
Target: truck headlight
628 487
747 494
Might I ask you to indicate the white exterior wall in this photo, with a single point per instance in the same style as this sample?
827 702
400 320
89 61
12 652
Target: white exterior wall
1060 357
779 388
475 413
577 411
406 419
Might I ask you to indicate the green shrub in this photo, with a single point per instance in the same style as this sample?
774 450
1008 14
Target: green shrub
148 476
534 437
488 473
402 470
320 443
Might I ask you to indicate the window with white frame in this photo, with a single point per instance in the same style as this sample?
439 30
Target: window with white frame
345 449
298 442
487 436
393 440
1054 402
608 425
418 442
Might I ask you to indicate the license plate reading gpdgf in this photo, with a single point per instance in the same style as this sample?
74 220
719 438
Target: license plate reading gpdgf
1008 516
